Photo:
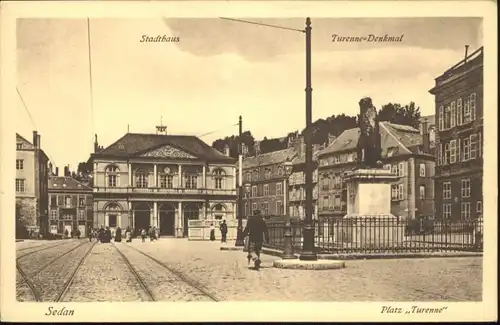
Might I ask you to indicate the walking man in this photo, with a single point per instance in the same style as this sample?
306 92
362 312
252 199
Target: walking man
223 231
256 230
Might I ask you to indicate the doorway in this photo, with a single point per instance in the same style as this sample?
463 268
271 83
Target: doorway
191 212
142 215
167 220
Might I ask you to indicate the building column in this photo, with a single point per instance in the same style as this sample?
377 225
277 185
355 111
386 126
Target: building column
155 175
180 177
129 167
94 174
204 179
155 214
234 177
130 220
180 226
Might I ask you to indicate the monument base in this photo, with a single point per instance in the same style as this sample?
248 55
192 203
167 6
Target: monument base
369 222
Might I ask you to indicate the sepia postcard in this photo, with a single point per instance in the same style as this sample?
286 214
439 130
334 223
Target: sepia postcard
318 161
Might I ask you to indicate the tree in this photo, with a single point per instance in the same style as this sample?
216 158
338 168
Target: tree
333 125
232 141
25 215
397 114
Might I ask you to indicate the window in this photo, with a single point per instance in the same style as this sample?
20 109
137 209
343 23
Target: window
254 207
336 159
280 171
401 169
81 214
401 193
472 104
81 201
267 173
53 201
447 211
479 144
397 193
422 192
350 157
466 149
141 180
447 117
337 202
53 214
466 114
324 202
112 220
453 151
446 159
279 189
255 175
191 181
387 166
166 181
453 116
254 191
266 190
395 170
112 173
20 185
19 164
472 146
246 209
447 190
440 155
279 207
465 210
459 112
265 208
19 145
67 201
465 187
479 206
422 170
441 118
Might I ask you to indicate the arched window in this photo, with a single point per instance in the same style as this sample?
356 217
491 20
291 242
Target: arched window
219 176
191 212
218 211
141 178
166 178
112 175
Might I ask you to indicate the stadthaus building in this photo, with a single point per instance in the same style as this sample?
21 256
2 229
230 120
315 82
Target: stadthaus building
161 180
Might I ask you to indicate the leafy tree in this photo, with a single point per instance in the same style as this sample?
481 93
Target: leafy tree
333 125
397 114
232 141
25 215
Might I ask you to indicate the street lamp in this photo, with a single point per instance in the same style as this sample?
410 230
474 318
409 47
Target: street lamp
248 187
239 230
288 251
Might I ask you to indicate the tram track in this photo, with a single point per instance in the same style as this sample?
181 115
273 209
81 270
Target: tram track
35 273
178 275
67 285
26 280
40 249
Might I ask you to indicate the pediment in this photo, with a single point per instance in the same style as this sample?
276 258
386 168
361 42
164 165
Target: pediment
168 151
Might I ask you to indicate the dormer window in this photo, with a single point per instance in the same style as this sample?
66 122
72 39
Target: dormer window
19 145
121 147
390 152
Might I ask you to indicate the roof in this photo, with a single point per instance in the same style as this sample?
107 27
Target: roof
269 158
302 158
66 183
402 138
180 146
26 143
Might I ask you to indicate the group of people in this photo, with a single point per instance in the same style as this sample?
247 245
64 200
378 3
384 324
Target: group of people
104 235
223 231
74 233
151 232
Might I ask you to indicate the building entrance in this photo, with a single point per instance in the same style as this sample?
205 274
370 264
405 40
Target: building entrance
142 214
191 212
167 219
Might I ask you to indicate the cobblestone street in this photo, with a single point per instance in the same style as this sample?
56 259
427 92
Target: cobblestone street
181 270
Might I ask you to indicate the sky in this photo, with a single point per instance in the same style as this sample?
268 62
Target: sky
218 70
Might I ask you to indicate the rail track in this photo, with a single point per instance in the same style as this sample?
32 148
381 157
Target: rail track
30 285
177 274
31 275
65 289
45 247
143 284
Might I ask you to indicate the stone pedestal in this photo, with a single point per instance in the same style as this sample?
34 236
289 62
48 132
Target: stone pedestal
369 222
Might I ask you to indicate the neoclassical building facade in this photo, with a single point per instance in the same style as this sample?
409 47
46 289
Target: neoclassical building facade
161 180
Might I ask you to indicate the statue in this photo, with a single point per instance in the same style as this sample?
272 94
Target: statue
369 146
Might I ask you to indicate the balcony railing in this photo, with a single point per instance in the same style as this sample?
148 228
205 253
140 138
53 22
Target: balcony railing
158 190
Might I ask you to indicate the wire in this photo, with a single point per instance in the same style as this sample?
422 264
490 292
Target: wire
211 132
90 81
262 24
32 121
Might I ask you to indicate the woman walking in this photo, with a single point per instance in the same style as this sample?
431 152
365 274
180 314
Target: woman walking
212 232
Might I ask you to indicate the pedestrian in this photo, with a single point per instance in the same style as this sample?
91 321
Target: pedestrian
66 233
143 235
223 230
151 234
101 234
256 230
78 233
107 235
90 234
118 235
212 232
128 235
155 233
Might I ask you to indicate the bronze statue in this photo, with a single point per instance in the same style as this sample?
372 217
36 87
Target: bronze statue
369 146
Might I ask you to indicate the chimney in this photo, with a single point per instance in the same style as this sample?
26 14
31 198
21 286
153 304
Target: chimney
331 138
300 146
256 147
96 144
466 52
39 141
50 168
425 136
227 152
35 139
57 171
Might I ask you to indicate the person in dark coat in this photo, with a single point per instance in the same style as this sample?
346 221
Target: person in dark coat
78 233
256 230
223 231
107 235
102 234
66 233
118 235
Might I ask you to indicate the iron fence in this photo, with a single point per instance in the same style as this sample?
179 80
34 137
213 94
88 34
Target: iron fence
375 234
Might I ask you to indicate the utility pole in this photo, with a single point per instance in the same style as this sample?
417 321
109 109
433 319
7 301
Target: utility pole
239 230
308 251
